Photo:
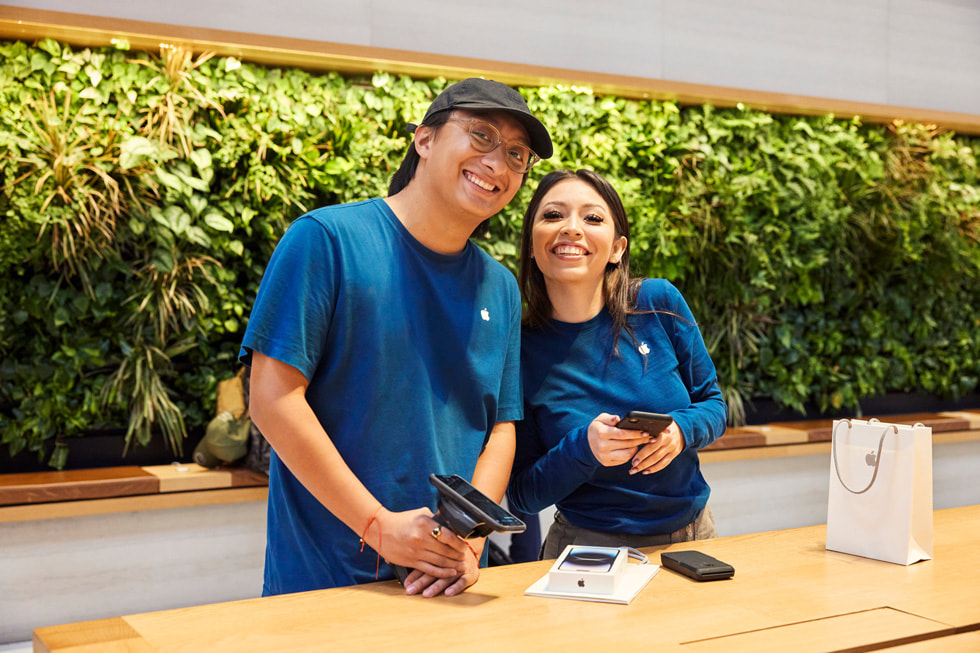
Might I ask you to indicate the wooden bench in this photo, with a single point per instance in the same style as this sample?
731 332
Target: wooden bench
813 436
48 495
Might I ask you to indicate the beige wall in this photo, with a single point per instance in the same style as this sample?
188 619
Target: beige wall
906 53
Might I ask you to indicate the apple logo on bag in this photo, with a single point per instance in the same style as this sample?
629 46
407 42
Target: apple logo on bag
870 458
581 582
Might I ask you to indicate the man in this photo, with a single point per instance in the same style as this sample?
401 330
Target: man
384 346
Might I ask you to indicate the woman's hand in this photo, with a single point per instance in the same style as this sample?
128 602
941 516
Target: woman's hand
660 452
612 446
429 586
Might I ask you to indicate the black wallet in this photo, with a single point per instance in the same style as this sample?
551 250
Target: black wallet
696 565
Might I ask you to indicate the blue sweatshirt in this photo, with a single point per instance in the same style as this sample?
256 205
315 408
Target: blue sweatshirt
571 374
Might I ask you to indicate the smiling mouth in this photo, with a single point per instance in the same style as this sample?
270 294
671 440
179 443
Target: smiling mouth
479 182
569 250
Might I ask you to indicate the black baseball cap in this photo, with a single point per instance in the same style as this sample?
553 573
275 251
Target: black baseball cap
487 95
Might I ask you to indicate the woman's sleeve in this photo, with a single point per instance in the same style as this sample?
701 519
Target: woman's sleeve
542 478
705 419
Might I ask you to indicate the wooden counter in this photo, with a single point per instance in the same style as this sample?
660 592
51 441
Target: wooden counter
788 593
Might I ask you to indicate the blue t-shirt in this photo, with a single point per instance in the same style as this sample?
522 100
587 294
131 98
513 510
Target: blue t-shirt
412 357
571 375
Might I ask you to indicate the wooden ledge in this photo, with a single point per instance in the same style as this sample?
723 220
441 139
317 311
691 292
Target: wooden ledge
45 495
137 503
73 485
48 495
43 487
813 436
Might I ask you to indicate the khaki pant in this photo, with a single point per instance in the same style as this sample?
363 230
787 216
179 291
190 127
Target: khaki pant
561 534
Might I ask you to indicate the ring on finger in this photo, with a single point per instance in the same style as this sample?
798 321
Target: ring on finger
436 531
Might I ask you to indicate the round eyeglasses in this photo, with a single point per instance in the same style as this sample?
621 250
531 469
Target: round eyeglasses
485 138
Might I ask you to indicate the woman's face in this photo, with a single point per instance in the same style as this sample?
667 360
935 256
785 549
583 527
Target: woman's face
573 236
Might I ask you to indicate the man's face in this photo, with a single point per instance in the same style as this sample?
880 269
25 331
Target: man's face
478 184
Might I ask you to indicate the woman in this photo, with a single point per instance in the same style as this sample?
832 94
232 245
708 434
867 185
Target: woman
595 345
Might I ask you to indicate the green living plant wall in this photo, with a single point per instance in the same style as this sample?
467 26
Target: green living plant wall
827 260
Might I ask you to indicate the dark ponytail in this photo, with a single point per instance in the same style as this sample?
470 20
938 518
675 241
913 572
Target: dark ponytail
406 171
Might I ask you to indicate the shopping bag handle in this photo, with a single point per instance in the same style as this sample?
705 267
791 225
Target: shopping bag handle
881 444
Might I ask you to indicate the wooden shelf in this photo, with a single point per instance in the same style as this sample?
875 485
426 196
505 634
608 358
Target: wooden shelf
50 495
813 436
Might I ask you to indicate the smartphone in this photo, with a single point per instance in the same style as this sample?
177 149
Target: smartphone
696 565
652 423
469 512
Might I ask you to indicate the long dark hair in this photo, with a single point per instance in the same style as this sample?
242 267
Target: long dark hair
619 290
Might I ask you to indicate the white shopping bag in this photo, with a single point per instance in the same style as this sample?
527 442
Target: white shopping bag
880 501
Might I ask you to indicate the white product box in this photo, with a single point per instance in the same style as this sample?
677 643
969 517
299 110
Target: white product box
588 569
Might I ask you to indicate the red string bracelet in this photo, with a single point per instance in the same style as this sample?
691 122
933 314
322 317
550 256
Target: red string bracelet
472 550
377 569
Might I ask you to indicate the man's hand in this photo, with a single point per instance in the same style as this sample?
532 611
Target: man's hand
405 539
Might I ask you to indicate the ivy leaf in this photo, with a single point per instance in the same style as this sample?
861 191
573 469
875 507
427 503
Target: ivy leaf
338 166
218 222
134 151
202 159
171 180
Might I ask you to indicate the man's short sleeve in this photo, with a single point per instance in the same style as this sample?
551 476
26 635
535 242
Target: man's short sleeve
294 305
